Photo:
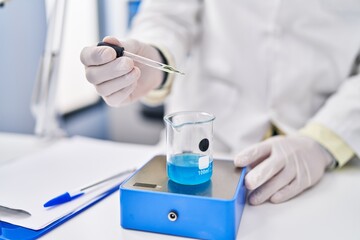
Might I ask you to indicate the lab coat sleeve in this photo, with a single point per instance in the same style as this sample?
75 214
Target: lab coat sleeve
157 96
337 125
172 27
339 149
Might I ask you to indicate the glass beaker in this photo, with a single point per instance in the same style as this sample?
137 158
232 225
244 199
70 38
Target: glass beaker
189 139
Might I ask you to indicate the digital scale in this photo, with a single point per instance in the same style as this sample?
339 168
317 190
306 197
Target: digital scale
149 201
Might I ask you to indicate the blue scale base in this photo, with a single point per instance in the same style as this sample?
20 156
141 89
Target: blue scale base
149 201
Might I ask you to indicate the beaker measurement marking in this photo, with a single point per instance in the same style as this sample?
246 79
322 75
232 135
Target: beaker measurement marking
203 171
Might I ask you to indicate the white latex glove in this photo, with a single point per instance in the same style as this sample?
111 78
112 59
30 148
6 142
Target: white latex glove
121 80
282 167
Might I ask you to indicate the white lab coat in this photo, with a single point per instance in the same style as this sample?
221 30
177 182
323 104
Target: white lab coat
258 62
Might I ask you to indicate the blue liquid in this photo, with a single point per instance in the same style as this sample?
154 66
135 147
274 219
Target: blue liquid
184 169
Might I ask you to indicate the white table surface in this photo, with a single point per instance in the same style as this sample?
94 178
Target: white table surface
330 210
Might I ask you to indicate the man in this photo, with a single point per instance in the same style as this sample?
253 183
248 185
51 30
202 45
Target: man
285 67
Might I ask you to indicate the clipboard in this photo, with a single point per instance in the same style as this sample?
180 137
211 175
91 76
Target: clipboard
14 232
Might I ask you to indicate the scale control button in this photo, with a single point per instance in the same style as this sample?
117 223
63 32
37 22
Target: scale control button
172 216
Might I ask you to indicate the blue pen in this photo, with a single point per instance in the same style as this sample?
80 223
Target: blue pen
69 196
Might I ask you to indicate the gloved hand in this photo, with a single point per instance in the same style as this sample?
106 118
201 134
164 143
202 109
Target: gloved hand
121 80
282 167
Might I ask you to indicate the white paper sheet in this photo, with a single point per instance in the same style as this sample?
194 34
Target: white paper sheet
27 183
